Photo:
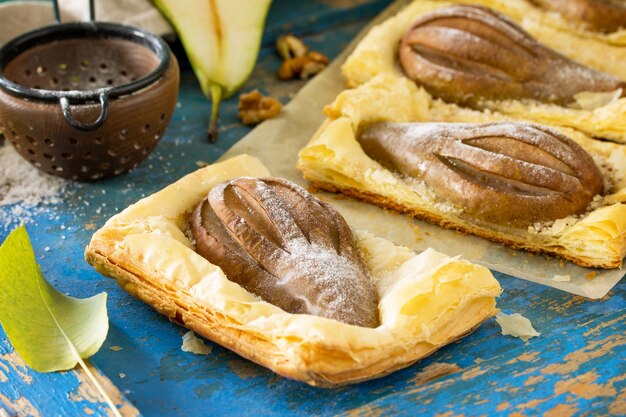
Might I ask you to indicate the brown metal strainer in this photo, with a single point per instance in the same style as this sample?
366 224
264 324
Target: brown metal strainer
86 101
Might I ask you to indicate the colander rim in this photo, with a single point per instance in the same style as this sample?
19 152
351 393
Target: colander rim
86 30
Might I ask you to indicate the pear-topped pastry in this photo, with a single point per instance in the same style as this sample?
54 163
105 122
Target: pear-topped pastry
511 174
289 248
465 54
598 15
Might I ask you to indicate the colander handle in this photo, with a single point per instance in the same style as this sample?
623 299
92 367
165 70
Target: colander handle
57 12
86 127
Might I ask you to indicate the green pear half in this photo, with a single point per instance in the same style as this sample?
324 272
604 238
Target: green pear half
222 40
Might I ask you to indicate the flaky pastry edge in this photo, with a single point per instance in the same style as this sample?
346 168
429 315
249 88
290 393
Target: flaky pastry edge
145 250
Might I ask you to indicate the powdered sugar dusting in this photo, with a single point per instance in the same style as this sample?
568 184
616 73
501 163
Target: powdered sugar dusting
303 255
277 212
25 189
338 280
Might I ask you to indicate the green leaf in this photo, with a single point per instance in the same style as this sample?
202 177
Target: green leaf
51 331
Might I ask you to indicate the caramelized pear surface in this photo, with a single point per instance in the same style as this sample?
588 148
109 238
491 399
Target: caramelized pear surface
511 174
289 248
466 54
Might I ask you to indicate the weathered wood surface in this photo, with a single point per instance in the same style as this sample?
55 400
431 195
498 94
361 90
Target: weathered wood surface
26 392
576 367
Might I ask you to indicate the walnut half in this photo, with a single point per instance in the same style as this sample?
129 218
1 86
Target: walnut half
255 107
298 61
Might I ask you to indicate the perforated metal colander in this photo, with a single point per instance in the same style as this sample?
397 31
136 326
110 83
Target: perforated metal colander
86 100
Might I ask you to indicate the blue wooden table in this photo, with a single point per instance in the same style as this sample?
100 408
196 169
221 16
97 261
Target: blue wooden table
576 367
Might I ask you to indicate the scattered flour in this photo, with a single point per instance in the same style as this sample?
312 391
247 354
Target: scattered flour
24 190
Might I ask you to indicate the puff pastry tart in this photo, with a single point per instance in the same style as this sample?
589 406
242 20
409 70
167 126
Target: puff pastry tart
258 265
543 189
480 57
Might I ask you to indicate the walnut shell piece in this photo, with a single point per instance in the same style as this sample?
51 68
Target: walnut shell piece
466 54
289 248
513 174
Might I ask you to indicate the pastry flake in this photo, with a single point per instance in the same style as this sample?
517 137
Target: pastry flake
426 300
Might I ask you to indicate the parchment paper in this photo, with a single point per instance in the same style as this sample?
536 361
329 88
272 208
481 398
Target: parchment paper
276 143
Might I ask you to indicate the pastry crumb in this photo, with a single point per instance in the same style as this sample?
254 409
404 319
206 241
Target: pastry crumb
591 100
193 344
561 278
312 188
591 275
391 211
416 229
516 325
553 227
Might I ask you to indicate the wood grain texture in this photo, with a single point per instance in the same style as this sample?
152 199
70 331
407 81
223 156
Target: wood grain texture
576 366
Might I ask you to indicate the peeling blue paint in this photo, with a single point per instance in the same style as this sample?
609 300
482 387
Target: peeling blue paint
162 380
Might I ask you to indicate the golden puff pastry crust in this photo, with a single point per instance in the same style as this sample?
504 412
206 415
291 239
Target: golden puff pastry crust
597 114
426 300
536 19
333 160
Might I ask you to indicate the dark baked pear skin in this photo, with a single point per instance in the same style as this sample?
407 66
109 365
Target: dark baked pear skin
292 250
598 15
512 174
466 54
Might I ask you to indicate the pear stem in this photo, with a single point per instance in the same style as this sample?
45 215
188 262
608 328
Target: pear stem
216 99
